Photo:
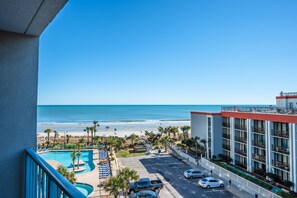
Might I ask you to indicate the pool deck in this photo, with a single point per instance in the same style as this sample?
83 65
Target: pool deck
92 177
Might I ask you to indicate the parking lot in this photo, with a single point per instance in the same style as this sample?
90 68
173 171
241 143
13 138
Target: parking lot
170 171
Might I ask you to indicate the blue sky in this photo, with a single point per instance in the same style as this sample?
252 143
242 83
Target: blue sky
169 52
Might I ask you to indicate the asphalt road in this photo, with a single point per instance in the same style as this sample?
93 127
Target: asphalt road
171 169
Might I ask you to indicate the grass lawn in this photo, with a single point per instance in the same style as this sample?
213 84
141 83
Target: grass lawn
126 153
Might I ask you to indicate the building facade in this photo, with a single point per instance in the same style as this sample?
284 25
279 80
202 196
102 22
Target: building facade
257 139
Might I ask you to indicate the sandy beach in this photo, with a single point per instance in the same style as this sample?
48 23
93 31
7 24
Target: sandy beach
120 129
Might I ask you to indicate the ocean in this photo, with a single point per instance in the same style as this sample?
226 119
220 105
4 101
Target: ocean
118 113
123 119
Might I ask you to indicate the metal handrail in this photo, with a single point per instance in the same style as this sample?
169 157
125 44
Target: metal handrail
67 188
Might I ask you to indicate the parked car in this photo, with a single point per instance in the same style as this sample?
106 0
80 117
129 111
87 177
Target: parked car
145 184
194 173
145 193
210 182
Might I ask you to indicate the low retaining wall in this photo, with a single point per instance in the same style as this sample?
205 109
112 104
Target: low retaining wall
236 180
244 184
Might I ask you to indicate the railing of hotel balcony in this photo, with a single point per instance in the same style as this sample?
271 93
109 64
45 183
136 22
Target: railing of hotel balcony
281 165
226 135
279 133
240 127
257 109
241 164
226 124
226 146
259 130
241 139
281 149
261 158
240 151
42 180
259 144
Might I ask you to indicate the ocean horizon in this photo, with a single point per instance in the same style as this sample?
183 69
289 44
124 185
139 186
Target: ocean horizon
120 113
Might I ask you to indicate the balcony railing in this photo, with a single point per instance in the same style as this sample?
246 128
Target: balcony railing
42 180
226 135
226 124
259 130
261 158
257 109
240 163
281 165
240 151
226 146
241 139
281 149
240 127
279 133
259 144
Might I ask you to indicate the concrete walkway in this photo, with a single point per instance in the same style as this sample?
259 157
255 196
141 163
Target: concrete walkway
92 177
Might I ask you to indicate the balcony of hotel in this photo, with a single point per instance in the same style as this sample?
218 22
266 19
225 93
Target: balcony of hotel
42 180
226 124
281 149
259 144
240 164
260 158
241 139
24 174
226 146
241 152
257 109
259 130
281 165
226 135
240 127
281 134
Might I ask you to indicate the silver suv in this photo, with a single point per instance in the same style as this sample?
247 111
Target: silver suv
194 173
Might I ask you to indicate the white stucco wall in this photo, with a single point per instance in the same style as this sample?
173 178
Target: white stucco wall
18 101
199 126
284 102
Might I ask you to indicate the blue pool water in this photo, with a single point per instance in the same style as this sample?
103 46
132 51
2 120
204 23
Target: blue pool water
64 157
84 188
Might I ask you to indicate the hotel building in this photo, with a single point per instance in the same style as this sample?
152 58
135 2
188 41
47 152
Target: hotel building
255 138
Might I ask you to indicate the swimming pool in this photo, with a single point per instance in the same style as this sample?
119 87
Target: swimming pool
64 157
84 188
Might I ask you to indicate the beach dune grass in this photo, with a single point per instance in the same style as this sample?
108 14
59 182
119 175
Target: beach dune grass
128 153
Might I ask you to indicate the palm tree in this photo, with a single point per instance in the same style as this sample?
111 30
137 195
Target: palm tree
127 175
70 176
78 154
92 132
185 129
200 146
87 129
67 138
133 137
165 140
161 130
114 185
48 131
73 158
95 123
56 135
174 131
81 140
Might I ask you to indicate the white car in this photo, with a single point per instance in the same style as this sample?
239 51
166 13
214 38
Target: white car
194 173
210 182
